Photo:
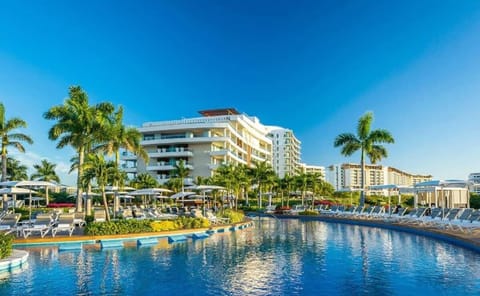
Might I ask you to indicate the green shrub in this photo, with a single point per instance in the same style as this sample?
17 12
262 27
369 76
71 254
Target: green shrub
308 213
6 248
475 201
124 226
118 227
234 216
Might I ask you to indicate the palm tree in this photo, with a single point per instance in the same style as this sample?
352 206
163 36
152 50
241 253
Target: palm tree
367 142
119 136
181 171
260 173
10 138
78 125
16 170
144 180
45 172
98 169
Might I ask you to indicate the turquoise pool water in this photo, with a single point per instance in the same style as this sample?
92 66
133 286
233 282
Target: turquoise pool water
275 257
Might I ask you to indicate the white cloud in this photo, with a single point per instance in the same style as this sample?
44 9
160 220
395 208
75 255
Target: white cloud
31 158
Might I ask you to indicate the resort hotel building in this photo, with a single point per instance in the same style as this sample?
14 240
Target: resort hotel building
220 136
313 169
285 152
474 179
348 176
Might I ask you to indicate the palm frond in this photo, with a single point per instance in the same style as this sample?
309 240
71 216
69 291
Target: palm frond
364 125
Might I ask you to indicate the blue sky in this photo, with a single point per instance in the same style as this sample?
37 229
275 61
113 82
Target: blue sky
312 66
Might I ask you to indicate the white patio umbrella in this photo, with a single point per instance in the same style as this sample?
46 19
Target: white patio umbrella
182 194
30 183
14 191
149 192
204 189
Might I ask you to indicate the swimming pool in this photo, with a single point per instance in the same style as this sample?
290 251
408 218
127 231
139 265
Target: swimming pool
276 257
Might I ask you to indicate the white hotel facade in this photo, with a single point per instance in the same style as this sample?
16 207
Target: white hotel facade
347 176
221 136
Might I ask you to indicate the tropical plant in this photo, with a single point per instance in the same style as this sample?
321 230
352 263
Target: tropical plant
367 141
78 125
45 171
181 171
98 169
118 136
260 174
11 138
16 170
144 180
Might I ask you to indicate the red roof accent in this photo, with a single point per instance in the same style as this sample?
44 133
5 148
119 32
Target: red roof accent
219 112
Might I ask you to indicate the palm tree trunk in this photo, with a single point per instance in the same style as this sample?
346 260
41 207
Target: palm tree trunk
105 204
46 196
81 158
362 193
4 164
4 177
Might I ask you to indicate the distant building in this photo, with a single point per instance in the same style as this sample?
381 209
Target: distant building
348 176
314 169
285 151
474 178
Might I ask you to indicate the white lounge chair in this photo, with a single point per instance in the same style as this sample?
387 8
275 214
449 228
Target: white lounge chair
99 216
42 224
9 222
79 219
64 223
216 220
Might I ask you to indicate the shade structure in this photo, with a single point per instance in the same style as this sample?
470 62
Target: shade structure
14 191
182 194
204 189
443 183
443 193
150 191
28 183
119 188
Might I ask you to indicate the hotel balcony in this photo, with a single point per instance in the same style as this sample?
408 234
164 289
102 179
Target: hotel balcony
164 179
128 169
175 152
125 155
176 140
165 166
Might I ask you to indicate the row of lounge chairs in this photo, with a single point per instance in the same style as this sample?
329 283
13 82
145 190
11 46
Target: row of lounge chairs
42 224
455 219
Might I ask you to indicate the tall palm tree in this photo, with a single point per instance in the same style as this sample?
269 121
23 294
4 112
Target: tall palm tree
45 171
78 125
303 181
260 174
367 141
181 171
16 170
119 136
11 138
98 169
